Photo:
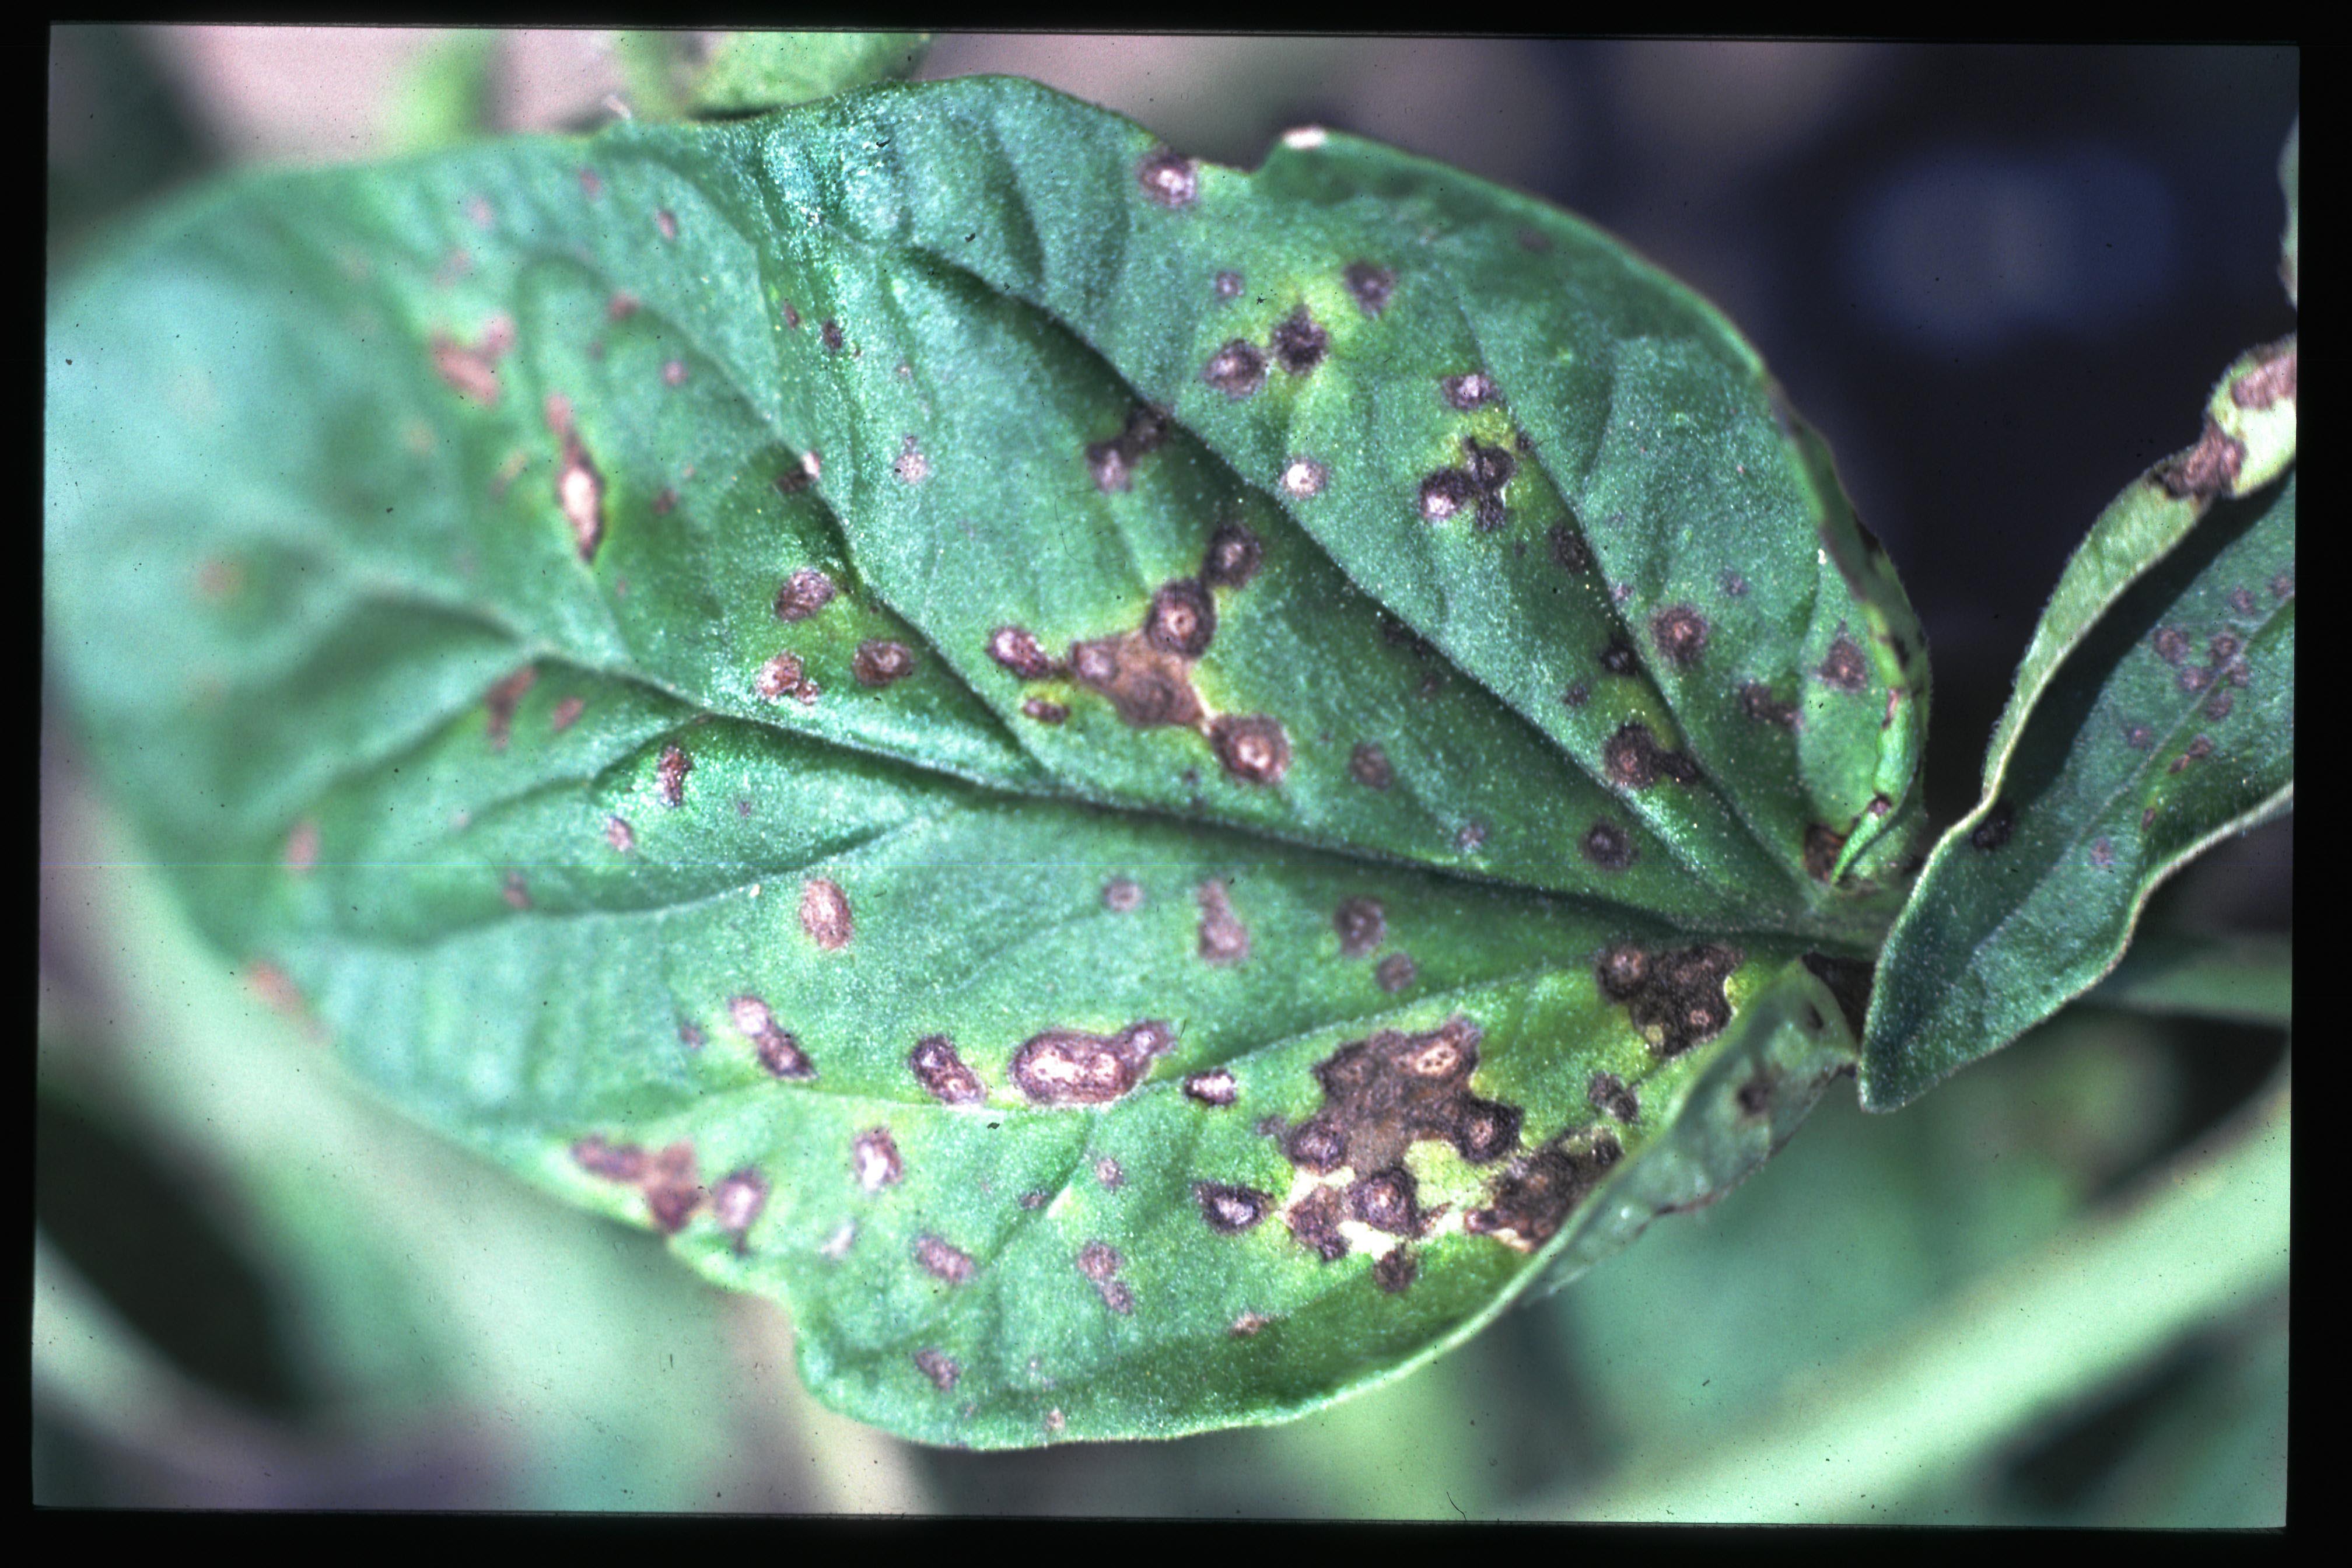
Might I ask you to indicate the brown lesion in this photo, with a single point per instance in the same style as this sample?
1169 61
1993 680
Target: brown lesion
1147 673
1531 1200
1380 1095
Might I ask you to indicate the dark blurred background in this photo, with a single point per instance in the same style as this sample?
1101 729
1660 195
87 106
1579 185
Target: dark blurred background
2001 280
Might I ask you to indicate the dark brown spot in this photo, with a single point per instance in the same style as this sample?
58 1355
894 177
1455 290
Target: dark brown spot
831 333
1017 650
674 373
910 465
1623 971
1577 696
1315 1221
1147 685
1470 837
873 1156
1618 657
2241 601
1368 764
1254 748
2208 469
2237 674
669 776
1233 557
1183 618
1734 584
1067 1067
941 1073
1044 711
2193 680
1120 894
1823 844
792 316
673 1190
942 1261
2171 645
1222 938
2138 737
2102 854
2283 586
1395 972
1533 241
1530 1201
1395 1271
1247 1325
1168 178
1215 1087
1298 343
2224 647
1465 393
824 913
1362 926
780 678
1634 758
1237 370
1445 492
1387 1200
1609 847
1680 633
1756 1096
1317 1144
802 594
1674 997
1490 468
1109 1173
515 892
1228 285
620 835
1608 1094
1369 285
1994 830
1034 1199
567 713
2218 705
1229 1210
942 1370
1757 700
2199 750
614 1162
1569 551
1112 462
778 1052
878 662
1843 666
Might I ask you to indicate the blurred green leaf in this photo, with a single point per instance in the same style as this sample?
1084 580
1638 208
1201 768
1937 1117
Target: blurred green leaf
811 684
2290 181
2247 978
1844 1442
443 96
753 72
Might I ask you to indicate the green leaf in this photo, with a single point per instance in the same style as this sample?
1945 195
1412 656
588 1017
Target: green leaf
2154 715
787 681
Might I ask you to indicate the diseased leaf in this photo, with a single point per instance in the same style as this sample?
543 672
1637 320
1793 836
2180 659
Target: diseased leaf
2169 724
1146 791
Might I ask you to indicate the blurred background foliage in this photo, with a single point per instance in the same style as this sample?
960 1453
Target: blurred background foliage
2001 280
